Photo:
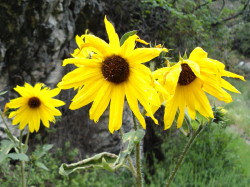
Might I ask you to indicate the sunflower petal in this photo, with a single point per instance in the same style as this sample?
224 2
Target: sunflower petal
112 35
133 104
116 108
141 55
230 74
101 101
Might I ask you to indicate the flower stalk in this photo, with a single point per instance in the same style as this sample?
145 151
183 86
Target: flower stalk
184 153
7 130
23 175
139 178
130 161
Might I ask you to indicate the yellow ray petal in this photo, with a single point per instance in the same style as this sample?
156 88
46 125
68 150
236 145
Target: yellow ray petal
97 45
18 102
23 124
133 104
112 35
86 94
172 78
141 55
53 92
162 90
52 110
138 92
17 114
56 102
190 98
228 86
213 87
197 54
79 40
194 67
18 118
181 95
25 92
79 77
170 111
202 104
36 119
159 73
128 46
101 101
230 74
116 108
180 117
45 117
82 62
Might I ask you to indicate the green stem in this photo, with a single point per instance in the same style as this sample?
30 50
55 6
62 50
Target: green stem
131 165
139 178
26 145
27 138
186 148
22 162
7 130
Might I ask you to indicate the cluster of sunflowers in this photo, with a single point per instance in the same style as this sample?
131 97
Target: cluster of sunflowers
110 73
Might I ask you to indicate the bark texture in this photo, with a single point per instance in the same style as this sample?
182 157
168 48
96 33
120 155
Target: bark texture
35 37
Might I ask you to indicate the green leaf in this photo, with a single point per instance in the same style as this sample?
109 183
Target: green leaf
18 156
126 35
195 124
103 160
133 138
6 146
2 157
3 92
41 151
41 165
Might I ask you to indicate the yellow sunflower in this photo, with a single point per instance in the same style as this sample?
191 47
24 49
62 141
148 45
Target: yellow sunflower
113 73
188 80
35 105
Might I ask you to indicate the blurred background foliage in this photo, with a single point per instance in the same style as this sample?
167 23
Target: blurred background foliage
221 27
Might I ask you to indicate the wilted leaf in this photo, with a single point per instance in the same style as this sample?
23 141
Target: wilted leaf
100 161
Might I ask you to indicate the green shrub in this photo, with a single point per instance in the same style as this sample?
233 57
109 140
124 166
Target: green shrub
51 178
217 158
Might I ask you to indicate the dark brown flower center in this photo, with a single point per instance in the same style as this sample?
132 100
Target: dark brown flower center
186 76
34 102
115 69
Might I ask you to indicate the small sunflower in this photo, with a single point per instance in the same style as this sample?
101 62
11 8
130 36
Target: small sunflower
113 73
188 80
35 105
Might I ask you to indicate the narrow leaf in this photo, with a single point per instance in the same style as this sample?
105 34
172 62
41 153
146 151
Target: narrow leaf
41 151
3 92
126 35
41 165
